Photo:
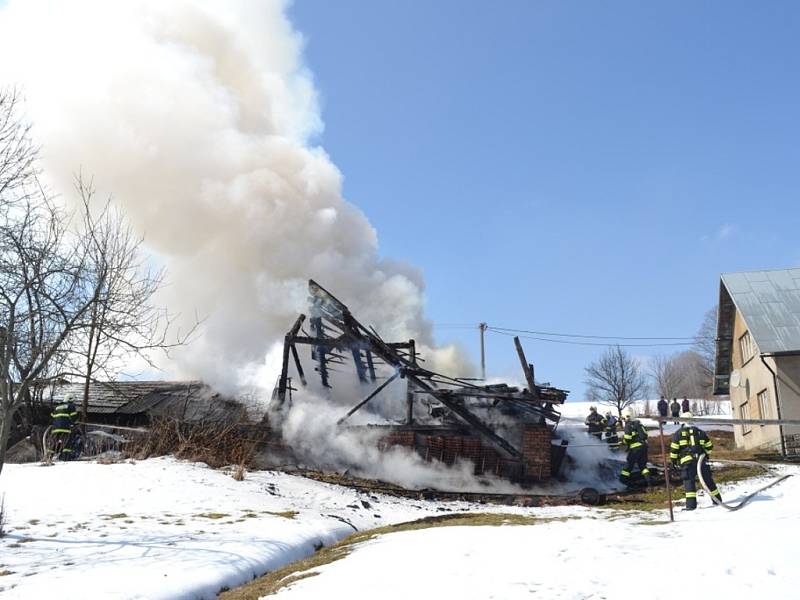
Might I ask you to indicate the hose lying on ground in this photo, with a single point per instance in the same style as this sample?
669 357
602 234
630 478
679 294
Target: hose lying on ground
744 501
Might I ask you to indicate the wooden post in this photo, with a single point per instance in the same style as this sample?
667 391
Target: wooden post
288 343
526 368
319 351
370 365
412 352
666 467
299 366
482 328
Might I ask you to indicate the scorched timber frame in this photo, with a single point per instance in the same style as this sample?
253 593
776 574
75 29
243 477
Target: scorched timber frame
337 334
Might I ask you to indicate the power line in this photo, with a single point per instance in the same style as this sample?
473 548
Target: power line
575 343
596 337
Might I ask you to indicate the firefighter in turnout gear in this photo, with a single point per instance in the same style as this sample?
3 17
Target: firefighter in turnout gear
688 443
635 439
595 422
611 437
64 418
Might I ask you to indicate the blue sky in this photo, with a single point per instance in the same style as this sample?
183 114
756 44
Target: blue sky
562 166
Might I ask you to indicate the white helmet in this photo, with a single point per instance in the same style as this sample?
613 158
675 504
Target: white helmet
628 414
69 397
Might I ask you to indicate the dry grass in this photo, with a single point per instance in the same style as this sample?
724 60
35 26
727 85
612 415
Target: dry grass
656 498
218 444
276 580
213 515
286 514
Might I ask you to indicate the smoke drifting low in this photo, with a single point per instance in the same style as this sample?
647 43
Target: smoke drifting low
198 117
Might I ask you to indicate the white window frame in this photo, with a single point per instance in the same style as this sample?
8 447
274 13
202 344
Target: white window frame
744 413
763 404
746 347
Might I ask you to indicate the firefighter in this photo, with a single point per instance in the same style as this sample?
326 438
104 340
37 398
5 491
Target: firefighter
688 444
64 418
595 422
611 436
635 439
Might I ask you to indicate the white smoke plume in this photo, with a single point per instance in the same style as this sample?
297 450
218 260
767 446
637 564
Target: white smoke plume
199 118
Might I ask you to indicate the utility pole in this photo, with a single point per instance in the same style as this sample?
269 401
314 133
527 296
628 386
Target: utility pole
482 327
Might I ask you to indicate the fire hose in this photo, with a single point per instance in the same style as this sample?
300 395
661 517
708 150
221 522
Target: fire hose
745 500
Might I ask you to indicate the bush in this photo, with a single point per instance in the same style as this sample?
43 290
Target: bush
217 444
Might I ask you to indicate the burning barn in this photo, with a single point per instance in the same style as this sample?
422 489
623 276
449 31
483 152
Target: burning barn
503 430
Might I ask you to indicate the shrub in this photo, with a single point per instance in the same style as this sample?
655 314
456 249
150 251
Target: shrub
215 443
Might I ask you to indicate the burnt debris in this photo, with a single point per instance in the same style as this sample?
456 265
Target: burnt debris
502 429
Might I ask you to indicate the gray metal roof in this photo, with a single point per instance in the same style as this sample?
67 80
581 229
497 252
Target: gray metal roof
770 305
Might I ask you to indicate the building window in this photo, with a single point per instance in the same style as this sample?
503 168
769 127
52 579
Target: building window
746 347
763 404
744 414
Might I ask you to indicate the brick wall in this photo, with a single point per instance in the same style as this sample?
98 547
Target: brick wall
536 453
536 463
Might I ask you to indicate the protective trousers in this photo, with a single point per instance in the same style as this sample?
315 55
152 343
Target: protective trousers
689 475
59 444
637 459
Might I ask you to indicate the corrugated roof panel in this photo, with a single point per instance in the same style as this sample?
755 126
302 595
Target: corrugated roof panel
782 280
755 276
764 291
736 283
769 302
777 314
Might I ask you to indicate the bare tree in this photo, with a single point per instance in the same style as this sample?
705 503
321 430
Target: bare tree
71 285
616 379
667 376
17 152
124 321
44 297
705 345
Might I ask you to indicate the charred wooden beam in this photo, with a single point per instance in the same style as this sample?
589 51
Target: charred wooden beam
526 367
410 385
370 365
372 394
319 351
287 343
298 365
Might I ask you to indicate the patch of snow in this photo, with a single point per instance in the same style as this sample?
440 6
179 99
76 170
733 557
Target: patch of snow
591 554
162 528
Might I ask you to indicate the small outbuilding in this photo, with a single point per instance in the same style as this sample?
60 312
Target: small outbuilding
758 355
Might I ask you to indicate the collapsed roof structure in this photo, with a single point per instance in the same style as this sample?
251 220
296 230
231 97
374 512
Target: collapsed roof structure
502 429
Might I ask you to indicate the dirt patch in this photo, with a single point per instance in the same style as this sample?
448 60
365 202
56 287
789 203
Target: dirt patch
213 515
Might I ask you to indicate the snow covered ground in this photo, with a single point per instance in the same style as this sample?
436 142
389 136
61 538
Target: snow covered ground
583 553
162 528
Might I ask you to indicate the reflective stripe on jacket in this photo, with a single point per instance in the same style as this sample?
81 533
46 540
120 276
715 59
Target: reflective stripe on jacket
687 444
64 417
635 435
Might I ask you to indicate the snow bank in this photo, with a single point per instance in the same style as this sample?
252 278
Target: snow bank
713 553
165 529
